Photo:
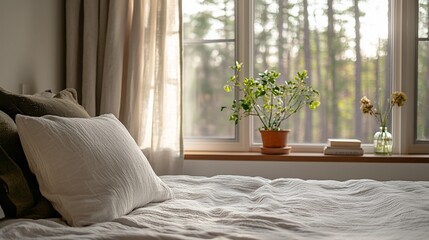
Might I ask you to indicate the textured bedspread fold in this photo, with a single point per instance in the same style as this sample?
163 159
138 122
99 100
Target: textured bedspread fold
238 207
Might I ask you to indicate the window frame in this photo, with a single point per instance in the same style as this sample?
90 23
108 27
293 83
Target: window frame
240 142
404 39
408 37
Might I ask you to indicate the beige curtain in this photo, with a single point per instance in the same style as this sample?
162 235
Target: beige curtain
123 57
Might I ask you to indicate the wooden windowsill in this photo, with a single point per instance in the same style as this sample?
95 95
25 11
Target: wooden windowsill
304 157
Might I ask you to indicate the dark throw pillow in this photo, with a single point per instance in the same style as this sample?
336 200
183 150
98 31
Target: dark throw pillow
63 104
15 193
19 193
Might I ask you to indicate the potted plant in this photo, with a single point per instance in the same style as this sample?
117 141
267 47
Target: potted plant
272 101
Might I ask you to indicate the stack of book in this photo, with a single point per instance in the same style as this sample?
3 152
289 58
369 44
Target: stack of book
350 147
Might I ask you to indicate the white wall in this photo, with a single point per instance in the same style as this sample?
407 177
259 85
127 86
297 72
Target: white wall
310 170
32 45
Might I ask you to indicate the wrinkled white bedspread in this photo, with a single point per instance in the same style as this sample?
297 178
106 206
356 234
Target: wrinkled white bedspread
237 207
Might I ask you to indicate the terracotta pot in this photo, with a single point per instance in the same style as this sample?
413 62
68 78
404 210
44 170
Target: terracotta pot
274 139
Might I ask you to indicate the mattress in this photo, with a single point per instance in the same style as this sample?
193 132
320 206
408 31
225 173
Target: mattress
239 207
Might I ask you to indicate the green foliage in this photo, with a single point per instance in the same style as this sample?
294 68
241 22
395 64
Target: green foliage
272 102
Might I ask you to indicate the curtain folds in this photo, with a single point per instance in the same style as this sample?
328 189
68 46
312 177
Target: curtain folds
123 57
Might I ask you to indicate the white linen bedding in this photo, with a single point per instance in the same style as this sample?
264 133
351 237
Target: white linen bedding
238 207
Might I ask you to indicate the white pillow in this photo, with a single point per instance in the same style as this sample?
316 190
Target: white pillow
90 169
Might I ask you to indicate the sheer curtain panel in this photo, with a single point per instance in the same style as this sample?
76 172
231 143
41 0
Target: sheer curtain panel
123 57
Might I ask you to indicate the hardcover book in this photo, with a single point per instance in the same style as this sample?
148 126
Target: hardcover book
344 143
343 151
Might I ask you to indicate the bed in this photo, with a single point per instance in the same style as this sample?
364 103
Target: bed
238 207
66 175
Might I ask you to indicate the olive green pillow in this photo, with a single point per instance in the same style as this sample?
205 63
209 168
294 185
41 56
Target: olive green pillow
15 199
62 104
15 193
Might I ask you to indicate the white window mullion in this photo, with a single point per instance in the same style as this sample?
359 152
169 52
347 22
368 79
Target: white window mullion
397 29
244 36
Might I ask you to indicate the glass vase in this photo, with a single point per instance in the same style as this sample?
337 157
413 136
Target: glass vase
383 142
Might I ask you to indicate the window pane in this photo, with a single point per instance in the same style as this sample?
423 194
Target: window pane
423 73
423 18
209 49
208 19
343 65
204 78
423 92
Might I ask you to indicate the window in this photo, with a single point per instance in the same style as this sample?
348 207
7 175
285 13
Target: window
209 42
415 76
343 45
347 47
209 48
422 133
